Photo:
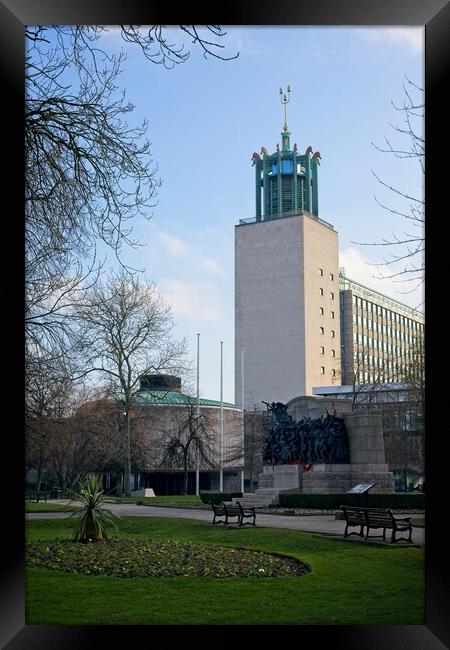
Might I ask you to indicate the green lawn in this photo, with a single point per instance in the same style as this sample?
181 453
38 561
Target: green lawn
47 507
176 501
416 521
350 583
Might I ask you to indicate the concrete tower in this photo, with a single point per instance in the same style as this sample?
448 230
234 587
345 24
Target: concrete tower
286 282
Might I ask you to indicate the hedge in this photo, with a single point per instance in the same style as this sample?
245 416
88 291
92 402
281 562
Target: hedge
398 501
218 497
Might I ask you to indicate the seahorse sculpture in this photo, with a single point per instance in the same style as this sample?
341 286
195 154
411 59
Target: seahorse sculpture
317 157
263 151
255 157
309 150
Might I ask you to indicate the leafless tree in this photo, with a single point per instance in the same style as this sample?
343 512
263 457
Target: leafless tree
187 439
46 398
406 249
102 419
89 173
404 439
126 330
368 379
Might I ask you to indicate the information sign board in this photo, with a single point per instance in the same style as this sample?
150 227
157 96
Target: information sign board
361 488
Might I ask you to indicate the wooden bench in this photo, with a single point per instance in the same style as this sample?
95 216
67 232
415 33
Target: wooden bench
373 519
233 511
377 518
227 510
247 512
37 496
354 517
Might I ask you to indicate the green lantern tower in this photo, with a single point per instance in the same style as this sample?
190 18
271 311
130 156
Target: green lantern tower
286 182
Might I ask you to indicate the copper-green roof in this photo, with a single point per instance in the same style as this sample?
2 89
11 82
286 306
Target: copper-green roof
173 397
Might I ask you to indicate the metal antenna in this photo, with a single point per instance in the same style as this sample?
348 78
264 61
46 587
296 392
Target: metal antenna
285 100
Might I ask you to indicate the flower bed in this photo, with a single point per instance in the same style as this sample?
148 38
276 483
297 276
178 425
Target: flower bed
128 558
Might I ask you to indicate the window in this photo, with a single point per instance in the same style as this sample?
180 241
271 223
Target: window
333 353
322 331
321 311
322 350
332 314
321 272
331 277
321 291
322 370
331 295
332 334
333 372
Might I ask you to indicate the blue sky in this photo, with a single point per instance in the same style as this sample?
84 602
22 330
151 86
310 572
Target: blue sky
207 117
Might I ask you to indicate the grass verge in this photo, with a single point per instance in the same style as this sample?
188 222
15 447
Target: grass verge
349 583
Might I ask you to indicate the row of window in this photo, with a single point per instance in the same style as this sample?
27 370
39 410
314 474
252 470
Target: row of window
322 312
378 370
375 360
332 332
322 351
322 371
381 328
381 345
331 275
321 293
393 316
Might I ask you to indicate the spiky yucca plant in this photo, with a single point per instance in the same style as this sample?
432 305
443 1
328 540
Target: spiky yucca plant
92 519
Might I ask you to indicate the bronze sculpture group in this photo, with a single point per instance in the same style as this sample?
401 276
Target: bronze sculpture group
308 441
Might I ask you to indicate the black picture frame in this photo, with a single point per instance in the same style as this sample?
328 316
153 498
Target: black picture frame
434 15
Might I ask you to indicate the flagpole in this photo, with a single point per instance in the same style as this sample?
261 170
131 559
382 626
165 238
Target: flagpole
243 424
197 472
221 417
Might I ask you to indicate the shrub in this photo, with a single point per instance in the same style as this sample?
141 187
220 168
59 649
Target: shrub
218 497
397 501
92 519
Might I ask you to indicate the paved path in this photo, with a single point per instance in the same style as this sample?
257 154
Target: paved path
323 524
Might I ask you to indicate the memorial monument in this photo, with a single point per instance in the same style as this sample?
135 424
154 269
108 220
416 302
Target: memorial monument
322 450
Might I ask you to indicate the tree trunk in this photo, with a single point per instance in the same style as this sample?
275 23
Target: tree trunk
186 476
38 480
127 467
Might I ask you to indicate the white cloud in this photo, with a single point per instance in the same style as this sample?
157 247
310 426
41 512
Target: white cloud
409 37
193 300
210 265
113 34
361 270
172 245
239 40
